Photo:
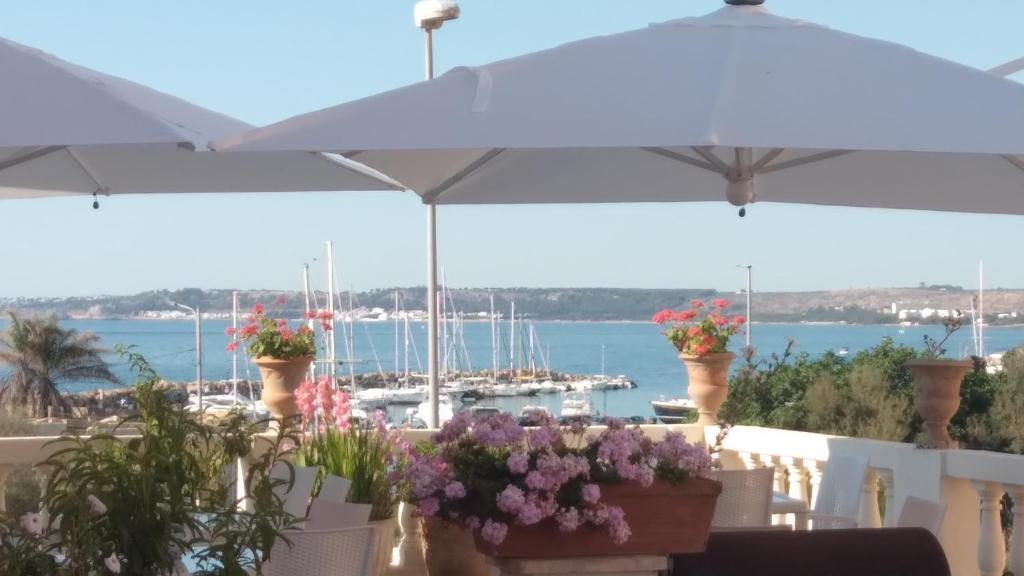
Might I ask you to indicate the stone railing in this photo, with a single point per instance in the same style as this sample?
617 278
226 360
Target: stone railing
969 483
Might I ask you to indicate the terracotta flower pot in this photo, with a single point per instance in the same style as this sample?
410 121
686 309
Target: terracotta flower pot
937 397
280 380
384 542
709 383
664 519
449 550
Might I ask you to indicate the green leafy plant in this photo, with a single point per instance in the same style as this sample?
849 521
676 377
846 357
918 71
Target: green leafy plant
273 338
140 502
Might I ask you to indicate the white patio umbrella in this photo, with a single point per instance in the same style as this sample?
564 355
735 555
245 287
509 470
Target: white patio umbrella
65 129
739 104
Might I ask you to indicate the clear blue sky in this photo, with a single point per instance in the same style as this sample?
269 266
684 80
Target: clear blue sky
265 61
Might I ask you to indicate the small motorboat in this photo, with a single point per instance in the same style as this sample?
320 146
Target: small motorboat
674 411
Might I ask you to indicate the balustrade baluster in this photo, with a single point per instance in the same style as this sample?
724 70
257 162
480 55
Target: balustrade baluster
749 462
797 477
1015 564
889 484
991 545
815 469
869 516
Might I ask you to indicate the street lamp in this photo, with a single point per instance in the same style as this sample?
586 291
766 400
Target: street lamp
199 348
748 267
431 15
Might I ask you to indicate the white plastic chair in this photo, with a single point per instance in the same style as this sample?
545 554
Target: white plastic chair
921 513
296 500
837 504
339 552
746 498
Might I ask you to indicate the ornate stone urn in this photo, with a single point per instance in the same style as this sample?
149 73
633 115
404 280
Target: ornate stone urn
709 383
937 397
280 380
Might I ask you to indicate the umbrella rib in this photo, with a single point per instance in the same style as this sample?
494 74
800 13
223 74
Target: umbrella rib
804 160
1017 161
705 153
99 186
29 156
432 195
764 160
666 153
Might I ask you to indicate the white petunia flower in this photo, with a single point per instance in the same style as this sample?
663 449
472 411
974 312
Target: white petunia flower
112 563
32 523
96 505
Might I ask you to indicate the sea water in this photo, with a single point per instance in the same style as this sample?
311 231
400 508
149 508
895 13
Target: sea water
634 349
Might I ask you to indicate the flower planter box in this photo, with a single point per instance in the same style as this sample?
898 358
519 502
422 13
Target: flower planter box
664 519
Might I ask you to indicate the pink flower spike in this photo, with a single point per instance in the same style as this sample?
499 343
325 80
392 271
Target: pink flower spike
232 346
258 310
720 303
229 331
280 300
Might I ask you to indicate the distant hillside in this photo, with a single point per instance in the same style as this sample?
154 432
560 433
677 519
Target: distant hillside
858 305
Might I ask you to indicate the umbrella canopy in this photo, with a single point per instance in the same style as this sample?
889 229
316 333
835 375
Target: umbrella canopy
65 129
739 104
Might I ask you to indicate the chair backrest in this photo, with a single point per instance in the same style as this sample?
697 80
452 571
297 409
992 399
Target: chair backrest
334 488
921 513
295 500
746 498
344 552
837 504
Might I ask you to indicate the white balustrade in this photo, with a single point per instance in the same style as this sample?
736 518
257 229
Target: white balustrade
944 476
991 545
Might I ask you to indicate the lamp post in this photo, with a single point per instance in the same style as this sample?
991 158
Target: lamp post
199 348
430 15
748 267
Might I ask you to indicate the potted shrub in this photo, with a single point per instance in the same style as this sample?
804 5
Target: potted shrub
937 386
282 354
364 451
555 492
138 504
701 336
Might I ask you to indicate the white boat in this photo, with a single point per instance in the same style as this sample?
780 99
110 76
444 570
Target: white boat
576 405
372 398
222 404
406 395
505 390
549 387
673 411
445 410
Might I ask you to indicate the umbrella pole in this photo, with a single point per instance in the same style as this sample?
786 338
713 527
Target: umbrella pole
432 352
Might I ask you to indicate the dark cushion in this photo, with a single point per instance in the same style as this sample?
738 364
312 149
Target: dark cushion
860 552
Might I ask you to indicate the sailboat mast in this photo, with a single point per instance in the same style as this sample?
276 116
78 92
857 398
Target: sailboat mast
331 350
981 309
494 341
234 352
533 362
351 340
444 322
309 322
512 339
396 335
407 347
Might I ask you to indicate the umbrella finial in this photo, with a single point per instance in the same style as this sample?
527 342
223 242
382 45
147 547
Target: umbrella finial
744 2
95 202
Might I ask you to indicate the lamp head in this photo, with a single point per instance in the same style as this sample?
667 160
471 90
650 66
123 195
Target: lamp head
432 14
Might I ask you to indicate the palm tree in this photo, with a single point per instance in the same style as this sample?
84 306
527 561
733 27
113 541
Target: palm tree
39 355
